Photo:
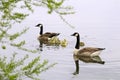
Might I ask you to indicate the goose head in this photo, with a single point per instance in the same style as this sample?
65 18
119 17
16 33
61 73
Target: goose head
41 28
76 34
39 25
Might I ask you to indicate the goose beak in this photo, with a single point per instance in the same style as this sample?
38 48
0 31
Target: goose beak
72 35
36 26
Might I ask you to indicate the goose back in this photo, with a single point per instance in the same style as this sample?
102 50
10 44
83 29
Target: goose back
50 35
90 51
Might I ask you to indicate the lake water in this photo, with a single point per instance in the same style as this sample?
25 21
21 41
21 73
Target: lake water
106 37
99 26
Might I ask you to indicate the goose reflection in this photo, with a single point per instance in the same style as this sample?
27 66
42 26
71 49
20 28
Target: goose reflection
41 46
87 59
48 46
95 59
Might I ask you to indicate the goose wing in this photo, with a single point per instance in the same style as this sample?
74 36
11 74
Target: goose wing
87 51
50 35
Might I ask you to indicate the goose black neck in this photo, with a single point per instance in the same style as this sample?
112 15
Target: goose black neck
77 46
41 30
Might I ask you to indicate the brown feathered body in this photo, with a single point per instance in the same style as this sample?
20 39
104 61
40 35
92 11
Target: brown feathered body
85 54
44 37
90 51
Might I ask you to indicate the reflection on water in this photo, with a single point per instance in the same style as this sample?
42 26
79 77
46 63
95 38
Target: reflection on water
88 66
48 46
86 59
95 59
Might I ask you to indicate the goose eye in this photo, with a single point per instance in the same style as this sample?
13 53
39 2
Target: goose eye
40 25
76 35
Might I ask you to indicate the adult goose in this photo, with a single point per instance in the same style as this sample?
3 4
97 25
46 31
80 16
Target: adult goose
85 52
45 36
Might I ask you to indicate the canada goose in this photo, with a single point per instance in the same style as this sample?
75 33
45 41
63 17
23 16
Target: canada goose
86 52
44 37
47 34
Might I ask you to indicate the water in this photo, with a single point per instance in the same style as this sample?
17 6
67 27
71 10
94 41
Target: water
98 27
88 71
102 36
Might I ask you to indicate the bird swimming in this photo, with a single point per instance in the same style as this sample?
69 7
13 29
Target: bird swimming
85 52
44 37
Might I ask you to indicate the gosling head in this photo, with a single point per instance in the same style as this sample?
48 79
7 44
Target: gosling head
76 34
39 25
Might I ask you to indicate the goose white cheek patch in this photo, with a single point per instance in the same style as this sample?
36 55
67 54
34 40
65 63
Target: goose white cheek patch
76 35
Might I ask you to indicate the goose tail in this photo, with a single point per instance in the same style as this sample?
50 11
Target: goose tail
102 62
57 34
101 48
